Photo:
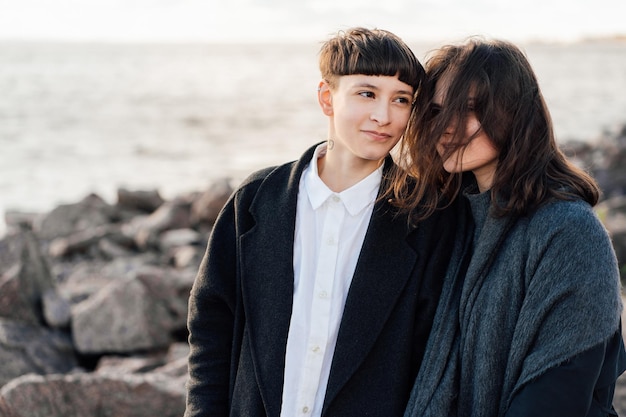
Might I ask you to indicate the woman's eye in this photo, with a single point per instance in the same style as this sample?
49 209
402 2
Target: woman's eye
434 110
402 100
367 94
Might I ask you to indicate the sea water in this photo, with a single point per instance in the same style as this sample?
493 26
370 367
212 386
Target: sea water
77 118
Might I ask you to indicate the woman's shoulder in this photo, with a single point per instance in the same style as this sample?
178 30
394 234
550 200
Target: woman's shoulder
569 236
257 177
560 212
281 173
574 221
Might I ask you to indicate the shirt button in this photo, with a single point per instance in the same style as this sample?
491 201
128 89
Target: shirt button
305 409
315 349
330 241
336 198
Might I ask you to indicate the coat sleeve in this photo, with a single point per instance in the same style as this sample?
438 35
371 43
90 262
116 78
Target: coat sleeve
211 320
582 386
572 301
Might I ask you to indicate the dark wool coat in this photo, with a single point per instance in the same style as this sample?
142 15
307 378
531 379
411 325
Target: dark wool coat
538 291
240 305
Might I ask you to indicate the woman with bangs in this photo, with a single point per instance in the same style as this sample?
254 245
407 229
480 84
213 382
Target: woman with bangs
529 323
314 297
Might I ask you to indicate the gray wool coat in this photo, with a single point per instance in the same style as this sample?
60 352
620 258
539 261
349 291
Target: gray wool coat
538 290
241 302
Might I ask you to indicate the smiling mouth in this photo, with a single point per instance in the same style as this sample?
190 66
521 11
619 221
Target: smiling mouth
377 135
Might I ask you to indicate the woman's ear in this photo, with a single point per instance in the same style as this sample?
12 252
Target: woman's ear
325 98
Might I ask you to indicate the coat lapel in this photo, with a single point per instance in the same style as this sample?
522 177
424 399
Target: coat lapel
385 264
267 251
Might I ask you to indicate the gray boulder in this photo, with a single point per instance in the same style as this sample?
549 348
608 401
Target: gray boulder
67 219
24 278
27 349
93 395
143 200
140 312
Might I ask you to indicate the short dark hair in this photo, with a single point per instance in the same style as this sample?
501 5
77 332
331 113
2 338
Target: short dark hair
369 52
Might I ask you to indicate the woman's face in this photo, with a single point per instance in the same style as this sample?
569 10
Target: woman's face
479 155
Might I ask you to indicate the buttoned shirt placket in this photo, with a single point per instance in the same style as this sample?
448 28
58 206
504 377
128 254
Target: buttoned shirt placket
321 303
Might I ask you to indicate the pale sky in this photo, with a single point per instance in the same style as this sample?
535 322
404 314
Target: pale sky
296 20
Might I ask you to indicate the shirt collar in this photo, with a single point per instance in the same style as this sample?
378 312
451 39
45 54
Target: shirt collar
355 198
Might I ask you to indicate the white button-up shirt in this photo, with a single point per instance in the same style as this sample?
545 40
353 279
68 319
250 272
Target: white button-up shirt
330 229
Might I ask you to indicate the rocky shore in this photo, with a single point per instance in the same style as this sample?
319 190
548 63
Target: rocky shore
93 304
93 295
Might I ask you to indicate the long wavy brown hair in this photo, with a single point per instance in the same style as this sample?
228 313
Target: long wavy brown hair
506 99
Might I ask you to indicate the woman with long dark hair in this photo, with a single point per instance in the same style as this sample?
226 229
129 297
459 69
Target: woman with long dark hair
529 324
